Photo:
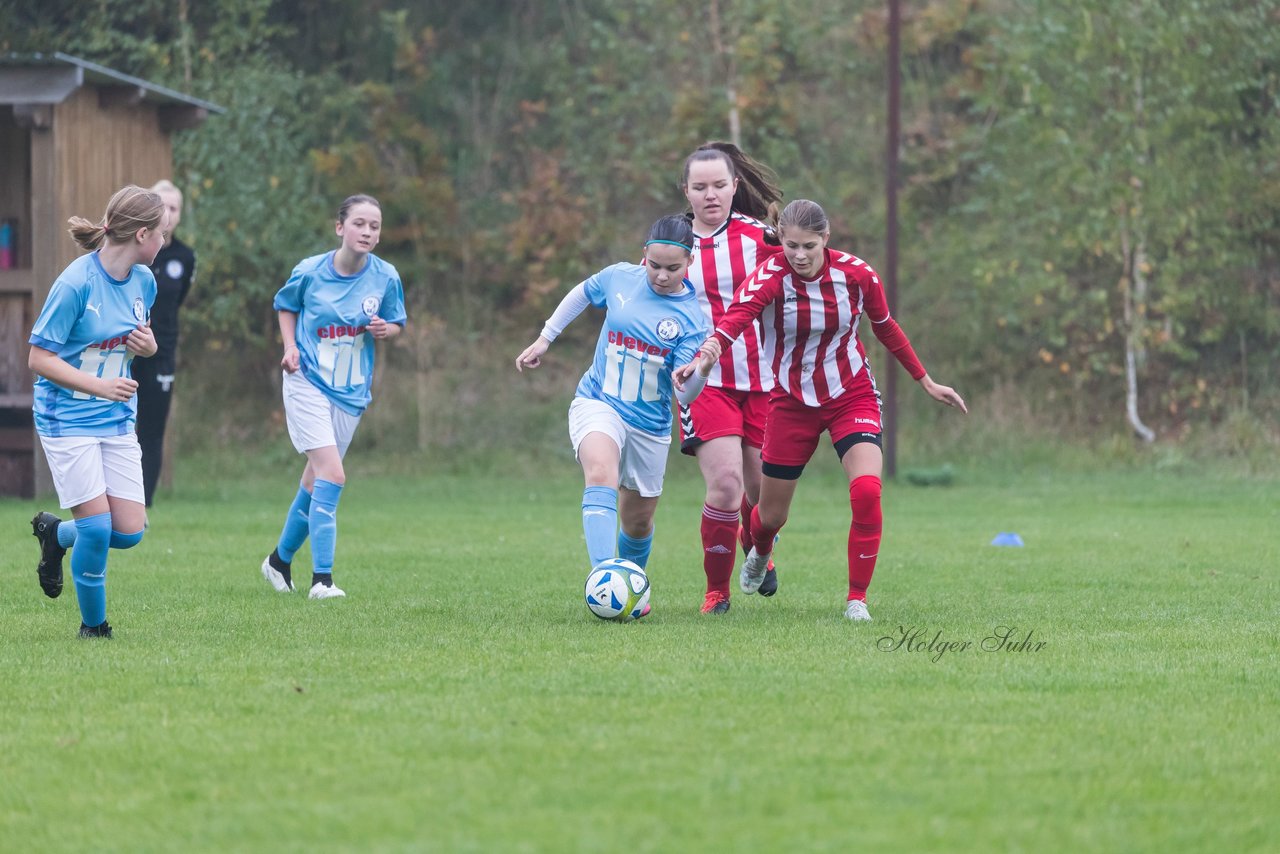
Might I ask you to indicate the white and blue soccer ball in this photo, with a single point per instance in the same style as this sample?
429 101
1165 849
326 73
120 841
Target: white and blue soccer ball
618 590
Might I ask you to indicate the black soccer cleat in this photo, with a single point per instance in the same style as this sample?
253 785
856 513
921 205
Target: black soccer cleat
45 528
102 631
769 586
277 572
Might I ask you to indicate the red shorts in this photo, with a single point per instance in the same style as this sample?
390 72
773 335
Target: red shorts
723 412
794 429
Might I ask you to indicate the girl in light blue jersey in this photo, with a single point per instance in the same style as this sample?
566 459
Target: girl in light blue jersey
95 320
331 310
620 418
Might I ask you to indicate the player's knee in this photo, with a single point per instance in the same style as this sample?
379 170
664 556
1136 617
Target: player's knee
864 494
724 489
600 474
126 541
93 531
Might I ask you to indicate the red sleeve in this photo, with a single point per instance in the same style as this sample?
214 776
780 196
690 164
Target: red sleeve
876 308
895 340
757 290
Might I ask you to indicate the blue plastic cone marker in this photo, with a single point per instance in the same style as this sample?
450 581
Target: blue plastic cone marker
1007 539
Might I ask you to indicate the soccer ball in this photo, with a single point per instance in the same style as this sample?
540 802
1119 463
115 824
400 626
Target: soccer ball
618 590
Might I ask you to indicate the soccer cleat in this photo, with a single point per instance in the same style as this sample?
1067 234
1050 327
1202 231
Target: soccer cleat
715 603
45 528
277 572
322 587
102 631
769 586
754 569
857 610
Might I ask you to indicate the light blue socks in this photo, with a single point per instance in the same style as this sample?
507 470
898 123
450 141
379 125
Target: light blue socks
323 525
600 522
636 551
89 567
296 526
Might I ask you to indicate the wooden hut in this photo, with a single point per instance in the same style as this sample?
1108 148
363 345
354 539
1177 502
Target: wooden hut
71 133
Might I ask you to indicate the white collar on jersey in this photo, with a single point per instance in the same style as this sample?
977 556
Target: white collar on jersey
719 231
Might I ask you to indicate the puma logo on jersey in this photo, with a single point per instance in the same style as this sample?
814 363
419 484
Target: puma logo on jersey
622 301
96 309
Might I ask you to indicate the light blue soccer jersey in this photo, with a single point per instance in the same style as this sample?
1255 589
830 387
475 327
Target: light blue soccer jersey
645 336
335 348
86 321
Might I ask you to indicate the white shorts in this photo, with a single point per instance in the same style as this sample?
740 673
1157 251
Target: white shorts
314 421
643 456
85 467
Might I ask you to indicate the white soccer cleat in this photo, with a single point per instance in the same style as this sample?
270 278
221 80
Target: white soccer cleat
753 571
323 591
857 610
278 580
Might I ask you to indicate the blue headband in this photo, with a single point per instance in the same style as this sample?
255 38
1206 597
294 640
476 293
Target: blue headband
683 246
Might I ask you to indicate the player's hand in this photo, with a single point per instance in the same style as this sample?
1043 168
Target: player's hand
532 355
141 341
943 394
120 389
291 360
682 373
708 354
379 328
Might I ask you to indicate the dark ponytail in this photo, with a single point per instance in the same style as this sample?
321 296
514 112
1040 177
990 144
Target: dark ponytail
758 194
351 201
675 229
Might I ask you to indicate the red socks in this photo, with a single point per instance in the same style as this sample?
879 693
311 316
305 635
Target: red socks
864 533
761 537
744 530
719 539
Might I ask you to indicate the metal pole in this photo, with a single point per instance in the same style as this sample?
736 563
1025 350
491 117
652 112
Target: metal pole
890 270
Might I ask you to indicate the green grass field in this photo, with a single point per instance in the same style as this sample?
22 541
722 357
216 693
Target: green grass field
462 698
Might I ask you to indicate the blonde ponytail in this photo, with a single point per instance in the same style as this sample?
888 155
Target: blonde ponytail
87 235
130 210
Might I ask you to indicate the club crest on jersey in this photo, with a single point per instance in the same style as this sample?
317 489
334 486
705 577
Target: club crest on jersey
370 306
139 309
669 329
173 269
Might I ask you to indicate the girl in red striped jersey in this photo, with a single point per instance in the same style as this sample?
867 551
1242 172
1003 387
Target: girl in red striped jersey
811 299
732 198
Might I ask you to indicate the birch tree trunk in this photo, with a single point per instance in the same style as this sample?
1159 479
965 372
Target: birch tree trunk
731 71
1133 243
1135 289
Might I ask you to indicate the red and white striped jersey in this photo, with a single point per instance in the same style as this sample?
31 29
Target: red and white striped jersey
720 263
811 326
